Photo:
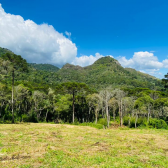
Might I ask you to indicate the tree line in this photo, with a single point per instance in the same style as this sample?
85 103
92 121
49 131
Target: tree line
73 102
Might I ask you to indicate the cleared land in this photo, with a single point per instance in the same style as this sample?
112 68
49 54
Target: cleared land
51 145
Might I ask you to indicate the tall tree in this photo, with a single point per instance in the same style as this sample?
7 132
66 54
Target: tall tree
106 95
160 103
165 81
4 97
21 94
17 63
73 88
120 94
128 107
95 101
113 104
138 105
39 99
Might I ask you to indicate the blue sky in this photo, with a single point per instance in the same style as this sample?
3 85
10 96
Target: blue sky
132 31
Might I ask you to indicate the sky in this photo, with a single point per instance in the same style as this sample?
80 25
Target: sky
135 32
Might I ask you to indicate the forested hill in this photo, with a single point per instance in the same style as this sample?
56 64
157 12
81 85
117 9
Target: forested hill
44 67
4 51
104 72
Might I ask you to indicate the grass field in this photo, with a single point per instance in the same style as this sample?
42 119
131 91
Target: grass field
51 145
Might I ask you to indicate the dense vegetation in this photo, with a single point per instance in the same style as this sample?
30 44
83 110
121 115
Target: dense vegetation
99 93
44 67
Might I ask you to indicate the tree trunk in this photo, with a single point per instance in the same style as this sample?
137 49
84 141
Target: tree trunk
96 116
136 119
148 113
89 115
107 114
114 114
46 116
109 120
13 96
0 111
120 109
129 122
73 114
38 116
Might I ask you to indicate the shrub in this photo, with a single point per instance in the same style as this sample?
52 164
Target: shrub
126 120
140 122
32 117
25 118
76 122
157 123
103 122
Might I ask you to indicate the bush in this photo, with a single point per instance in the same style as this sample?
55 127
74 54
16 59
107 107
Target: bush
76 122
25 118
140 122
157 123
103 122
132 122
126 120
32 117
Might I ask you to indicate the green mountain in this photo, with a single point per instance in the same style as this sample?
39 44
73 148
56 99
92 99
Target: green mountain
104 72
4 51
44 67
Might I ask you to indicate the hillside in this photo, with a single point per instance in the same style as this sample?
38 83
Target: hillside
4 51
102 73
44 67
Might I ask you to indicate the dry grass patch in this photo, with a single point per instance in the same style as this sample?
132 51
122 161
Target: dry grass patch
53 145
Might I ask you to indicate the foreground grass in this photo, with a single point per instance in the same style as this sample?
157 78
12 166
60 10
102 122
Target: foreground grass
51 145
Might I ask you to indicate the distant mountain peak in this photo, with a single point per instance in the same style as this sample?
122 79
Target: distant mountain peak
4 51
45 67
107 60
70 66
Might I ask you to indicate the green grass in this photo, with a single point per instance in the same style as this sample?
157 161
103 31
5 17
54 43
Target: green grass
51 145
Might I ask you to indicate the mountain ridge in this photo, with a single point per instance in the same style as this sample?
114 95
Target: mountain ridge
103 72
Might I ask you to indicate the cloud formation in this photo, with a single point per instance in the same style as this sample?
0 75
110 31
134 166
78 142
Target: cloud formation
145 62
36 43
68 34
141 61
43 44
165 63
86 60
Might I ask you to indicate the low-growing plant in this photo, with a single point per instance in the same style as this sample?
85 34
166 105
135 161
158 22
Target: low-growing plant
157 123
103 122
25 118
98 126
142 122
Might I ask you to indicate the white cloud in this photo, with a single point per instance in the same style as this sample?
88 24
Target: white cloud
165 63
145 62
86 60
141 61
36 43
68 34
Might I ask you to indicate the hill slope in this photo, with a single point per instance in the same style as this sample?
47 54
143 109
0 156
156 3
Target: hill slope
44 67
104 72
4 51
